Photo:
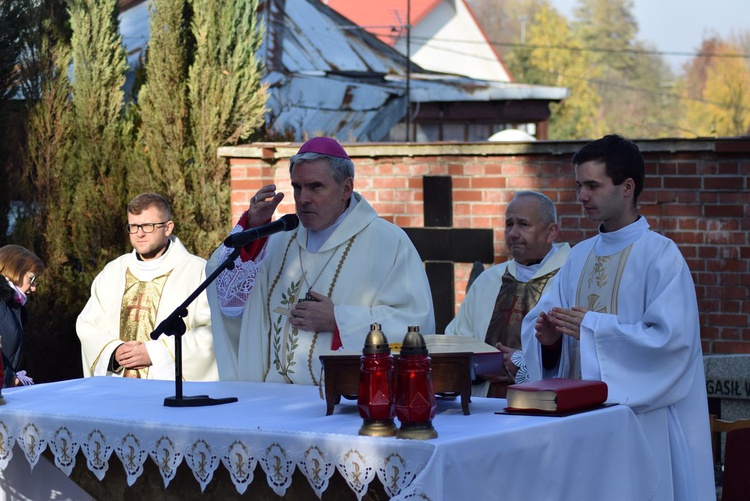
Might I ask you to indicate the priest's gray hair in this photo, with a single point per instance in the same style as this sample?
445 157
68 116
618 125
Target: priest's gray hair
546 206
341 168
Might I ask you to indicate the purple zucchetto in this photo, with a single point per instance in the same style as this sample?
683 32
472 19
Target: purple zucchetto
324 146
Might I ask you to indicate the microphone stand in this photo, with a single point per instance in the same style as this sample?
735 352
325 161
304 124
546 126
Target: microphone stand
174 325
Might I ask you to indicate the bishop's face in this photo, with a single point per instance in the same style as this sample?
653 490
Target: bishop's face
150 245
318 198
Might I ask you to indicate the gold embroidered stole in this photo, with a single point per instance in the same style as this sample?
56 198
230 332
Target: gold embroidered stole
140 303
513 302
598 290
283 336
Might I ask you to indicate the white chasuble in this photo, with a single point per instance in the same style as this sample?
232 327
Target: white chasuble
367 266
100 324
641 336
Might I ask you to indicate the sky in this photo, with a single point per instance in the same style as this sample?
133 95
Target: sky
679 25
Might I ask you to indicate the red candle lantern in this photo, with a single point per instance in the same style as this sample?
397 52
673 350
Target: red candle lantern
415 393
375 397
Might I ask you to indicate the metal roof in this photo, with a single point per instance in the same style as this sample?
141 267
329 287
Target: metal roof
328 76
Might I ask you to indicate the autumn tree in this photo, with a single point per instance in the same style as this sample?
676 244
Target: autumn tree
551 56
633 82
506 22
716 91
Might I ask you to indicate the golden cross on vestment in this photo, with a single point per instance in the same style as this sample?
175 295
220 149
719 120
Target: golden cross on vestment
137 306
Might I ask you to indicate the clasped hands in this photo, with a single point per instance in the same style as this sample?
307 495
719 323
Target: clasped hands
132 355
551 325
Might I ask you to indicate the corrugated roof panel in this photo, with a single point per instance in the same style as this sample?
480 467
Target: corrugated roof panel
314 41
424 88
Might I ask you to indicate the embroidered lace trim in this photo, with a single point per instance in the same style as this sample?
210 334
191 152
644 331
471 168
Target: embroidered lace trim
234 286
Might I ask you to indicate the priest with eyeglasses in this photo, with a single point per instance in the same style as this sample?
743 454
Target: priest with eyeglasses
135 292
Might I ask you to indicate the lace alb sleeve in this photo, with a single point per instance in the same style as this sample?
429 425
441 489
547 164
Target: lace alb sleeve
234 286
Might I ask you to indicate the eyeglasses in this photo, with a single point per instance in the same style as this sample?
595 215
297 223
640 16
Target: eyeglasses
32 279
146 227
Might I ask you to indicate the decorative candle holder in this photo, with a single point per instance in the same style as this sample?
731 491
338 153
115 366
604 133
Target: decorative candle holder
415 393
375 397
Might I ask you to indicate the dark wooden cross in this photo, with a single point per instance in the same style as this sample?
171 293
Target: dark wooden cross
440 246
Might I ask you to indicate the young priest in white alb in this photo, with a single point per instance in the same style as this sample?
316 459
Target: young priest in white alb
623 310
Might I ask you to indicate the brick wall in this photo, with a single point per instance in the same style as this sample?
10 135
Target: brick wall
696 194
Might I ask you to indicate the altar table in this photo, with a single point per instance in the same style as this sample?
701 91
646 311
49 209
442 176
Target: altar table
601 454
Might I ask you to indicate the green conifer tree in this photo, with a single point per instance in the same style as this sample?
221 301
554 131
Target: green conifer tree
103 143
202 91
79 146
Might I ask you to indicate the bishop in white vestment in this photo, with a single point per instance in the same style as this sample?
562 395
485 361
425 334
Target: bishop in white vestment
342 255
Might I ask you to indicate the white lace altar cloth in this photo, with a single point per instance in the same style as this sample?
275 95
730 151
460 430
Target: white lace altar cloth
284 427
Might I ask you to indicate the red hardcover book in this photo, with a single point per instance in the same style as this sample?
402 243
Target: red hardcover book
557 395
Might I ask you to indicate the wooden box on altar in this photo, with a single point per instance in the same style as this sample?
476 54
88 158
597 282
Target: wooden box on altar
452 372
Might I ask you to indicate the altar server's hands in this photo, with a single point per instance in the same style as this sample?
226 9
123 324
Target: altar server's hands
568 321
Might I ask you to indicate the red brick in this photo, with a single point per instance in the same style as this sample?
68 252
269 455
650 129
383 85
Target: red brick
725 237
730 306
486 209
724 211
730 334
728 168
415 183
488 182
467 196
707 169
389 182
682 183
408 221
664 169
681 210
461 182
728 292
731 347
723 183
493 169
726 265
247 184
709 332
414 208
707 251
687 169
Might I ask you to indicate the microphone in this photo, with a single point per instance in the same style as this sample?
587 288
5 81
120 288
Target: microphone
241 239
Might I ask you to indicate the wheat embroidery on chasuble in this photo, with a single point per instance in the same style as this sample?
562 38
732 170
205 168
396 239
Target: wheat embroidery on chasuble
283 336
140 304
599 289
